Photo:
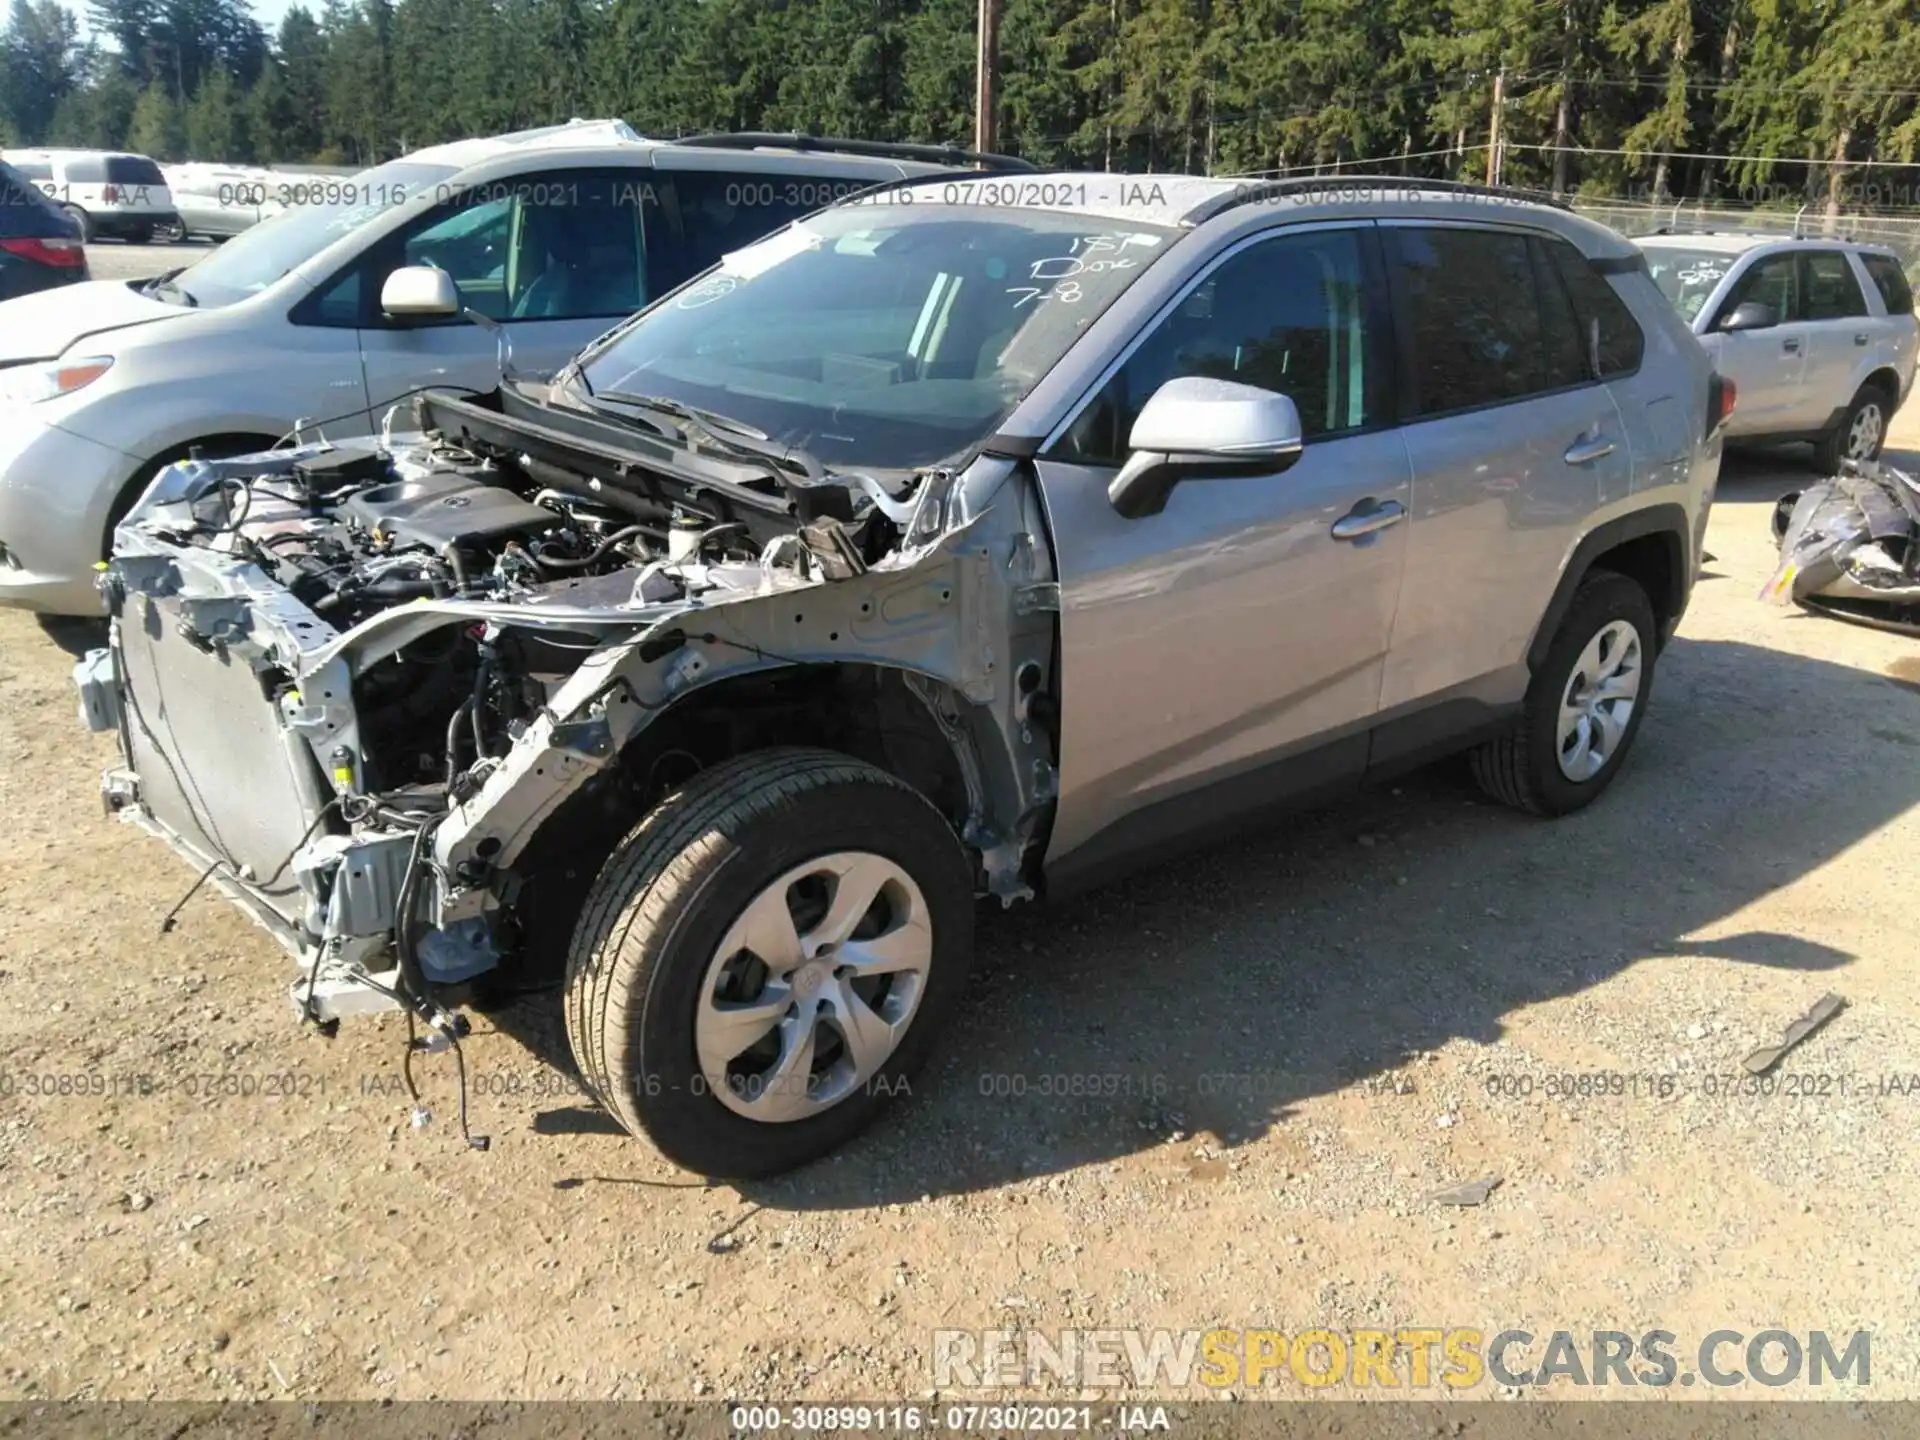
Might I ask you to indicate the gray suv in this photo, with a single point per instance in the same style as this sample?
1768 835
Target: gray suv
971 537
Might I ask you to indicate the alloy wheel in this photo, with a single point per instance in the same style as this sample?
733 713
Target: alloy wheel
1864 435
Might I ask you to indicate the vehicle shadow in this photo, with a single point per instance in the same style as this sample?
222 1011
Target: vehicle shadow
1217 992
75 634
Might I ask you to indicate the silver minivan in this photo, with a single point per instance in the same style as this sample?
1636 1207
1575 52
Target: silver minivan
550 236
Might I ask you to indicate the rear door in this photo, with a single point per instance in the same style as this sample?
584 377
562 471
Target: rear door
1889 282
1843 338
1768 366
1514 441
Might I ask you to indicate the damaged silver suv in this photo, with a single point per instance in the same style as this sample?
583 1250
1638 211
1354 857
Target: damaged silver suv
968 538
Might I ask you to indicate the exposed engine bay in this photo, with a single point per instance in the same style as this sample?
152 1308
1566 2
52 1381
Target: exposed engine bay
384 693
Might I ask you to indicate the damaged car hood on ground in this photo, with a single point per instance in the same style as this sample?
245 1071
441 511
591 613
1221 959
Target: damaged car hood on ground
1850 547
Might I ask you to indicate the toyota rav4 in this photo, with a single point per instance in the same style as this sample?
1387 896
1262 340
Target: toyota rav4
969 538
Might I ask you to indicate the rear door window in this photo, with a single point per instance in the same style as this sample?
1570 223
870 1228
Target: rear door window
86 170
1891 281
1471 314
134 170
715 212
1831 291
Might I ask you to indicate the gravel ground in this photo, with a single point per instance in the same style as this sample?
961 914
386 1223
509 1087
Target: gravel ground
1289 1043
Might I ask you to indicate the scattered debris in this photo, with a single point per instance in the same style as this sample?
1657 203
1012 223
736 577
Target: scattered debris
1850 546
1768 1056
1472 1192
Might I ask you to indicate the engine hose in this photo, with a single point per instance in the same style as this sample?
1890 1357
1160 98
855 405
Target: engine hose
552 562
583 488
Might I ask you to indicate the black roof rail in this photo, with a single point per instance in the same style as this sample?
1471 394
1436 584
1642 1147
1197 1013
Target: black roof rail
1254 191
877 149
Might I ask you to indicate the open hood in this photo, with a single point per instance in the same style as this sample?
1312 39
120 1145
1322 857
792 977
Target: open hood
44 325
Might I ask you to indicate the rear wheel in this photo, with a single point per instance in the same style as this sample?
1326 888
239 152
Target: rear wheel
1861 433
83 220
765 960
1583 707
140 235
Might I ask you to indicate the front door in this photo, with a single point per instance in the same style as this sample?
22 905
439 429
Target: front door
1768 365
556 259
1232 631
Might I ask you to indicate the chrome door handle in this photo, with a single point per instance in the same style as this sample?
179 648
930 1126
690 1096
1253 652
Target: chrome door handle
1792 347
1585 452
1364 521
1859 339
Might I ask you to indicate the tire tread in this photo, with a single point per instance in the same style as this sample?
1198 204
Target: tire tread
668 853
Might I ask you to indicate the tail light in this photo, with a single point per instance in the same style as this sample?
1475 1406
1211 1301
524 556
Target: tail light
61 254
1722 396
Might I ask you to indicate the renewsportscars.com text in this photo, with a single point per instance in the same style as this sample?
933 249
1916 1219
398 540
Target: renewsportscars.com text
1399 1358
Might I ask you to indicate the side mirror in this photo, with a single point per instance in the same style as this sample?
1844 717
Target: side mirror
1750 315
421 292
1196 428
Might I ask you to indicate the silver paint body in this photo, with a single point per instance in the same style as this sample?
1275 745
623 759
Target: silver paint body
1793 376
1233 630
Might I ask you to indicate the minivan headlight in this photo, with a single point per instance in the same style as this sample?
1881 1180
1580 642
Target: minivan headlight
28 384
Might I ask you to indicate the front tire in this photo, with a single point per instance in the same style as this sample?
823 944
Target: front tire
1861 433
765 960
1583 707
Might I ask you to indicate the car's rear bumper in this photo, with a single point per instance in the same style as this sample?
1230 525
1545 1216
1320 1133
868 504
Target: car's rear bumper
56 489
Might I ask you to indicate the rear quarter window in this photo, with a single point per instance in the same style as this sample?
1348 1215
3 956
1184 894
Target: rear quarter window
1891 281
86 170
134 170
1607 328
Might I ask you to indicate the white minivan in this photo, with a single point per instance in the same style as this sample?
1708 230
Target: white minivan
109 194
551 237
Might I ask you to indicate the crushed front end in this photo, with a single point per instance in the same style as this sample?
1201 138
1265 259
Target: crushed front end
368 690
1850 547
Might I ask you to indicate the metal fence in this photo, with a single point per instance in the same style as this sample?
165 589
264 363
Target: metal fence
1899 230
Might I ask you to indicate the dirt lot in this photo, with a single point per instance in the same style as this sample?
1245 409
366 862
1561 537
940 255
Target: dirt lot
1290 1044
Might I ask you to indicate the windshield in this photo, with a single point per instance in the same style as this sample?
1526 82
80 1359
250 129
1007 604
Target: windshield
889 339
318 211
1687 277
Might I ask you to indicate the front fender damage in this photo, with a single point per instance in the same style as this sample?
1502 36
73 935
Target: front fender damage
963 611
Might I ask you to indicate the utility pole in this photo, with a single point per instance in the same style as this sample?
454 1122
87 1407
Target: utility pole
986 100
1494 126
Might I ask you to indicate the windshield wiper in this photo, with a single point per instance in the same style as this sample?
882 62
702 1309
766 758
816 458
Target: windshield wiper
164 287
733 436
706 419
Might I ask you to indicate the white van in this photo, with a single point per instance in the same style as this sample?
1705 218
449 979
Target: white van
109 193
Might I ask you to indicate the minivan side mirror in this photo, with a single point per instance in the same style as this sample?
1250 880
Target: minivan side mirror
1199 428
1750 315
420 292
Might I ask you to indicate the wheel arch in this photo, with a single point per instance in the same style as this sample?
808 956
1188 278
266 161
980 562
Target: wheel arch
1648 546
910 724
